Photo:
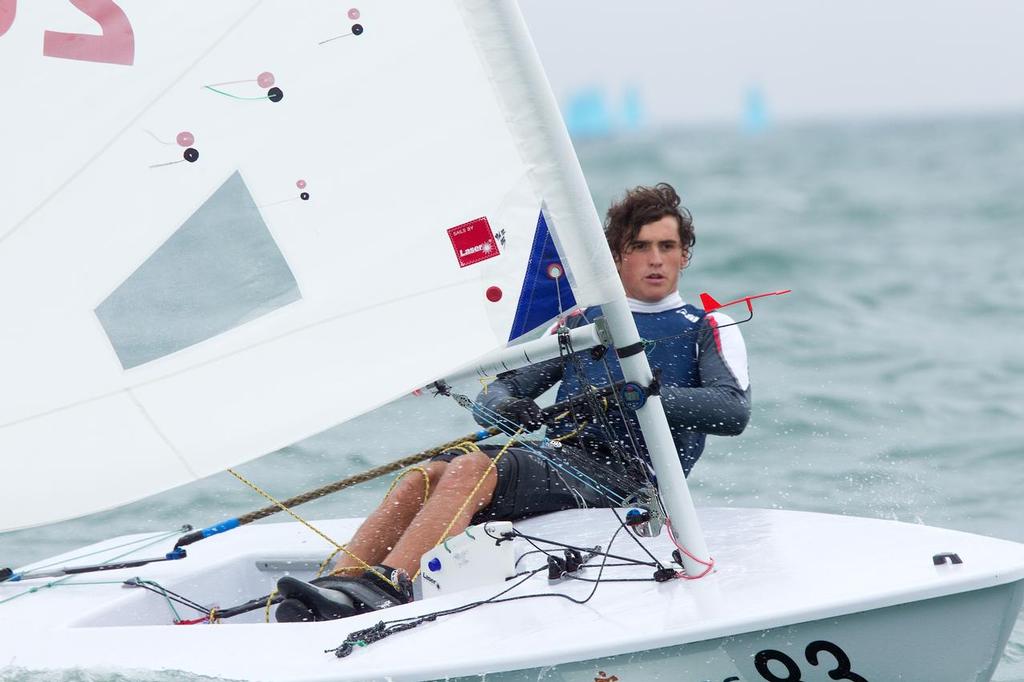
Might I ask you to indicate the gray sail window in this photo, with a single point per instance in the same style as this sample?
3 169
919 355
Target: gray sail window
219 270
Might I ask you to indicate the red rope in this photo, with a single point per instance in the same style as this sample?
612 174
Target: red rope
710 563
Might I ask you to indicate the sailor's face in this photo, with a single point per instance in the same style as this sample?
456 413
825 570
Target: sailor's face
649 266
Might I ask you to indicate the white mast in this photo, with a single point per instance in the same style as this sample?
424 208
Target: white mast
556 175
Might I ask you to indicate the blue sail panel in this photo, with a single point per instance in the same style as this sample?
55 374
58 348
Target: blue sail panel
546 290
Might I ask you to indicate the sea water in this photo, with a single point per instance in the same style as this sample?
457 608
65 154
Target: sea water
889 384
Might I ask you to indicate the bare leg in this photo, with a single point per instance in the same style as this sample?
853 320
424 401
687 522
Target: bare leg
381 530
461 482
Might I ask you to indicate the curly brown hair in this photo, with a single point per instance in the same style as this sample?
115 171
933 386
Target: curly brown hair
643 205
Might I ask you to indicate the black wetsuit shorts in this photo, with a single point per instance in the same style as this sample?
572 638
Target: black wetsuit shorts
541 479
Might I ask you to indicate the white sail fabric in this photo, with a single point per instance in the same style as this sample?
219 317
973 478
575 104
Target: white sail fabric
229 225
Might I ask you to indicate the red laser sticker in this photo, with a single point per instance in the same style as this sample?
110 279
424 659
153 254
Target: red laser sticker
473 242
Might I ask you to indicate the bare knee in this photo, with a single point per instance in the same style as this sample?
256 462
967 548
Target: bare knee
435 470
413 486
465 472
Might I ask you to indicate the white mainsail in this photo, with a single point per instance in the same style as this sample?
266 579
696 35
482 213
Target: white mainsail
229 226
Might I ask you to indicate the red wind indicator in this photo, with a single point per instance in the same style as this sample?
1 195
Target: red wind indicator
710 304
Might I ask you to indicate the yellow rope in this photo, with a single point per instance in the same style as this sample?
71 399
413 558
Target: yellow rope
465 503
569 435
426 482
465 446
270 601
327 562
308 525
580 427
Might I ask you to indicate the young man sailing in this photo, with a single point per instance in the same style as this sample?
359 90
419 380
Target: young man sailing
701 364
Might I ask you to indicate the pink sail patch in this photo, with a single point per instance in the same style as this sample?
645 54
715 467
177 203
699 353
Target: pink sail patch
473 242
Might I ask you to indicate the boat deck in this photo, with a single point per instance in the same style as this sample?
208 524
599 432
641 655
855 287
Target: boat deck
772 569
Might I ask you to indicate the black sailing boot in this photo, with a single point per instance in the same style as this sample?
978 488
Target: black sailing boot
335 596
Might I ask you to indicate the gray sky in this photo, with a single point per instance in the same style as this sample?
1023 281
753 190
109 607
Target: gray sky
695 59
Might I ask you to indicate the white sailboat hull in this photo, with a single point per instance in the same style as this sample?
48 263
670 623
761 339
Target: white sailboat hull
945 639
795 596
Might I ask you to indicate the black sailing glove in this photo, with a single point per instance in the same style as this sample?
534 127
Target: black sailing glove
523 411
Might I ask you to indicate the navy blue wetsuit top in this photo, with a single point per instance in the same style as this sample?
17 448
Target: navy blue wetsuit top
704 384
